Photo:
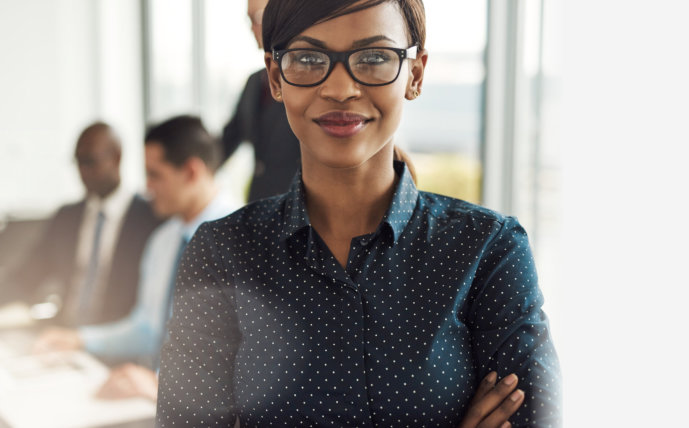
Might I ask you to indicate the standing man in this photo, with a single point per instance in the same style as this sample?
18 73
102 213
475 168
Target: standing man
181 159
262 121
89 253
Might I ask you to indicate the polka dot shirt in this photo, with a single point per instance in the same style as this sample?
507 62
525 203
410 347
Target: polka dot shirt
269 328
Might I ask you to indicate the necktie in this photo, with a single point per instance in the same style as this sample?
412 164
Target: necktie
173 277
167 309
91 275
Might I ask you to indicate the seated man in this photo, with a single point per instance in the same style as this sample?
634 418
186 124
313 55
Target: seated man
181 158
88 256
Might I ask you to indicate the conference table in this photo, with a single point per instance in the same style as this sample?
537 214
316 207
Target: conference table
57 389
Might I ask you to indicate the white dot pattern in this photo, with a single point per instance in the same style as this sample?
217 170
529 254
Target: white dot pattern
268 327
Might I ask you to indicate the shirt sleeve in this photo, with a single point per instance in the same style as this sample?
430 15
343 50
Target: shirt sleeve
510 332
195 387
127 338
238 129
135 335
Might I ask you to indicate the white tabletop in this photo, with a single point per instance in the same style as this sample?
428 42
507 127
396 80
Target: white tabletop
58 389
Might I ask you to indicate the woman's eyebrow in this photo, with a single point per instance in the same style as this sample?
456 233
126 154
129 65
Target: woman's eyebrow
369 40
311 40
357 44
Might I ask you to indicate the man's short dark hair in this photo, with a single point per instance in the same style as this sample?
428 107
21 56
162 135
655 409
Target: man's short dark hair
184 137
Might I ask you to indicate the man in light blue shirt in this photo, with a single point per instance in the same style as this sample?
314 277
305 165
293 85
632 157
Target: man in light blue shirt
181 158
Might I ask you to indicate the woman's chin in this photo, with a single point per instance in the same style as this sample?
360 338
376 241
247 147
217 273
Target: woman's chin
345 157
344 162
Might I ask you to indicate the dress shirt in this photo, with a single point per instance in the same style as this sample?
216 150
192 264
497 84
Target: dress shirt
138 336
267 326
114 207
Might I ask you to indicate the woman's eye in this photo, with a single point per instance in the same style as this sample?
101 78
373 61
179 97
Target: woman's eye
308 59
374 58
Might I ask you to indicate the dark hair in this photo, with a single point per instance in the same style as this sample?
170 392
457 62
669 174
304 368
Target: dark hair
184 137
400 155
93 127
100 126
283 20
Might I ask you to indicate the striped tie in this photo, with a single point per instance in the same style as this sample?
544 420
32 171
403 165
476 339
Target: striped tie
155 361
91 276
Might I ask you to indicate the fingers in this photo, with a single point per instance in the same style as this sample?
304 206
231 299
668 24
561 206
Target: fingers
118 385
129 381
57 339
498 418
486 385
491 407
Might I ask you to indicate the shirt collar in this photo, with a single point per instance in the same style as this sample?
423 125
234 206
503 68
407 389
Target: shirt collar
113 205
404 200
295 216
217 208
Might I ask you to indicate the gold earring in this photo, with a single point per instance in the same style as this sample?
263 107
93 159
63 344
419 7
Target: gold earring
278 95
416 93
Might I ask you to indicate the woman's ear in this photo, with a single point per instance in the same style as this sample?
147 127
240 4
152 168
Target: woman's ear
273 77
416 71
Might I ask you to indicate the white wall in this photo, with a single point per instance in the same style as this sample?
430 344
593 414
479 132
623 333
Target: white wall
65 63
626 100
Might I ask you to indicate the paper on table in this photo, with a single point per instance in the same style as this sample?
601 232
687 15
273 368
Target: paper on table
57 390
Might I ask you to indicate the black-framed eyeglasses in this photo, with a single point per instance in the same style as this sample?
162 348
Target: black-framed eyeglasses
371 66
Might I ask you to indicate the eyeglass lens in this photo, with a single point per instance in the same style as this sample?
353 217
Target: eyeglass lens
375 66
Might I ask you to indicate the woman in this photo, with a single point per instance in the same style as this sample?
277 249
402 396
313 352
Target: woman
355 299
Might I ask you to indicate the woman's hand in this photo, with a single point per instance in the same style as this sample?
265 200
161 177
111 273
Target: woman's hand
130 381
493 404
58 339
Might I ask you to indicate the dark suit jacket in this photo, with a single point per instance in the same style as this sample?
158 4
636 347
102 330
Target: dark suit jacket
54 255
262 121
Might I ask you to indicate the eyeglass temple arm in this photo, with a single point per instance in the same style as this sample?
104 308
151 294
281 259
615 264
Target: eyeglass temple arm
411 52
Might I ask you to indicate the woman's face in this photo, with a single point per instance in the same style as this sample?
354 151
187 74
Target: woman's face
341 123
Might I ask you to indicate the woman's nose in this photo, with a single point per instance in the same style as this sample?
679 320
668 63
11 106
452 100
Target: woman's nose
339 85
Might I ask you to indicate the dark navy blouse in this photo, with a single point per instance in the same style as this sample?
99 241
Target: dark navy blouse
268 327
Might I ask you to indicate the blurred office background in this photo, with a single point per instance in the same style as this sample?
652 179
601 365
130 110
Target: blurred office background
477 132
566 116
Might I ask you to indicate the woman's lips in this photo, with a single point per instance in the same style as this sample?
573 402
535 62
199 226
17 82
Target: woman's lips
341 124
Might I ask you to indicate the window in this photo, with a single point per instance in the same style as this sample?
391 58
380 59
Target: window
442 129
170 79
